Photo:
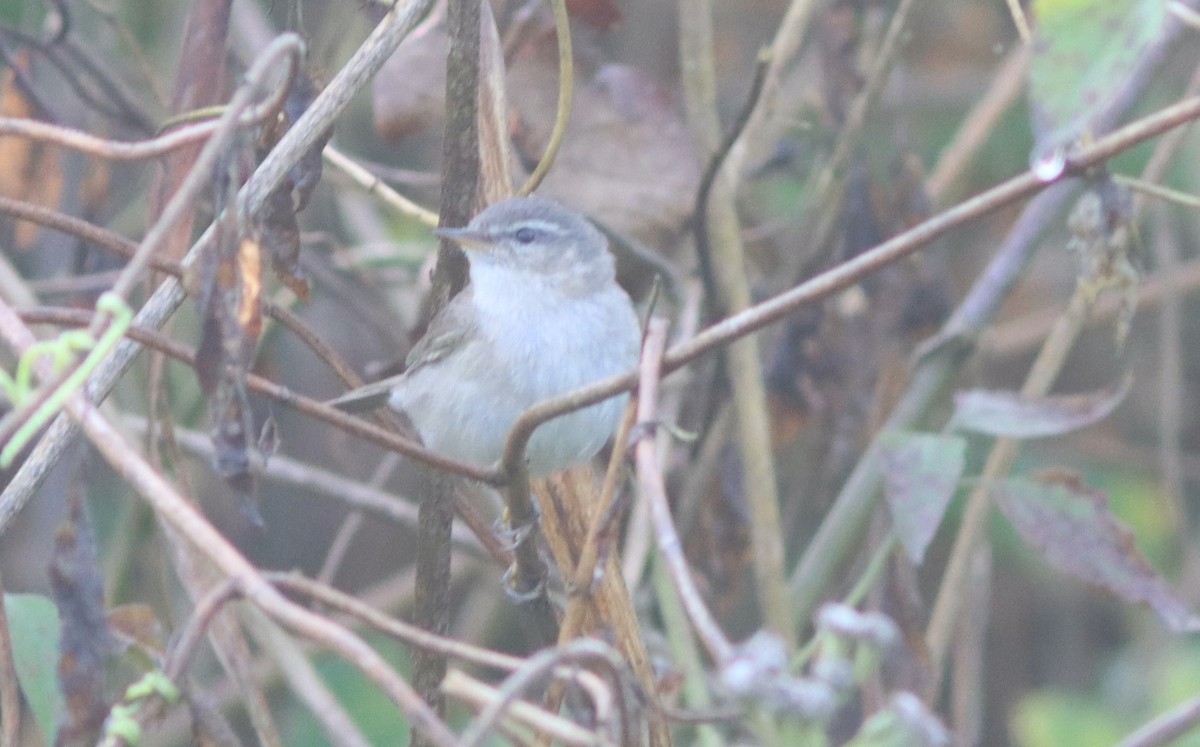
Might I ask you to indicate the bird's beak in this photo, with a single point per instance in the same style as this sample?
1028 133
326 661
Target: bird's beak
464 237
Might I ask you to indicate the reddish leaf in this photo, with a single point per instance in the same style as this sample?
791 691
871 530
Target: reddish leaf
1071 526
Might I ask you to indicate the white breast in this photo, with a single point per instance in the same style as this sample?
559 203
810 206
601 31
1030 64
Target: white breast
536 344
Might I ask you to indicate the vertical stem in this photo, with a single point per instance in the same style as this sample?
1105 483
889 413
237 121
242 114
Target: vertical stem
460 178
948 605
744 366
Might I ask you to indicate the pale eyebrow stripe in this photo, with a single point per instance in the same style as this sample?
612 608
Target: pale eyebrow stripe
543 225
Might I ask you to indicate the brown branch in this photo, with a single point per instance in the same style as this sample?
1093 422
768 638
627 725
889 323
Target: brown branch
650 485
319 410
140 150
852 271
533 671
183 517
288 48
460 187
700 213
401 631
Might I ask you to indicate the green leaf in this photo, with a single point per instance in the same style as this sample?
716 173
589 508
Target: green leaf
33 622
1083 52
921 472
1051 718
1009 415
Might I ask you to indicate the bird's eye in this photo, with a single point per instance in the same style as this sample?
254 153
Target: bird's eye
525 235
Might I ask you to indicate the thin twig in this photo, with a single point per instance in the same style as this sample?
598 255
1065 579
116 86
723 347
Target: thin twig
184 518
585 570
1176 722
187 642
1020 335
977 127
566 88
302 678
1192 202
1019 20
704 192
356 426
851 271
650 485
141 150
784 47
402 631
368 499
470 690
288 48
534 669
377 187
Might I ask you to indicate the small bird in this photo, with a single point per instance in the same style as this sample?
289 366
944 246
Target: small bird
542 315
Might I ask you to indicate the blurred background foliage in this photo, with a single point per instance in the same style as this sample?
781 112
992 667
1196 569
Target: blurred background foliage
1063 664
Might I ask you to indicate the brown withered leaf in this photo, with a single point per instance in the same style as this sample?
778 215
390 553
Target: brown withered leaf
495 146
79 595
278 230
280 234
626 160
229 410
1072 528
32 171
228 284
307 170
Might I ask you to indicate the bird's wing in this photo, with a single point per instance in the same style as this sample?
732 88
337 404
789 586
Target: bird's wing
366 398
449 329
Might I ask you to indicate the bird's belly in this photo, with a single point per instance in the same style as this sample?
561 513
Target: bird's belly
546 355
